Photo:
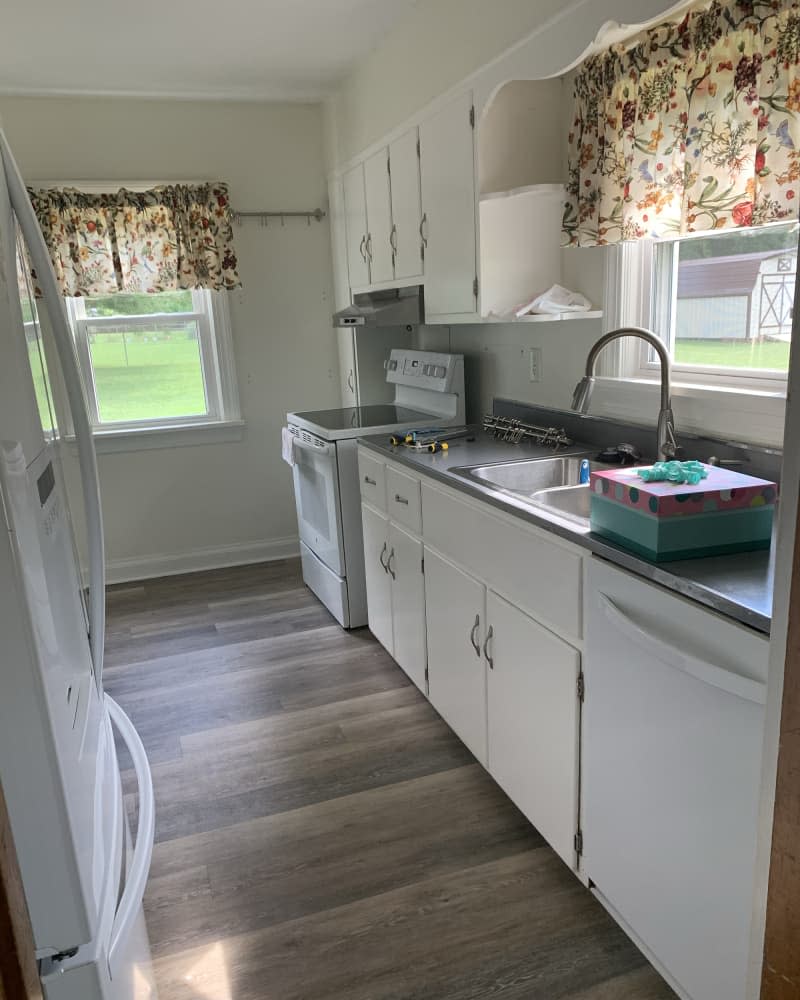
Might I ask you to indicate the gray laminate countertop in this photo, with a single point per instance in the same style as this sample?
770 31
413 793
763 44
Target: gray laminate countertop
738 586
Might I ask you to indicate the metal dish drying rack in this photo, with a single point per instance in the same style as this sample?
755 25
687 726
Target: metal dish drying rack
513 430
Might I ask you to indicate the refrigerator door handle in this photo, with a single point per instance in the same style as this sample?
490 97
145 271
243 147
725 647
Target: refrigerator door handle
73 383
131 901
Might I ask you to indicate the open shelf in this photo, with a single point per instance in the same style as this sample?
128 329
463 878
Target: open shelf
544 317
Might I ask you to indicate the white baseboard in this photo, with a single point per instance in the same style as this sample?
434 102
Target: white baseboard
214 557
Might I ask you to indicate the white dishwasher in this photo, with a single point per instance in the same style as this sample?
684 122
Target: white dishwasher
671 760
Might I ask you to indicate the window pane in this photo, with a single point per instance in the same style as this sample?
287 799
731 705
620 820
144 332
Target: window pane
734 299
139 304
33 339
147 373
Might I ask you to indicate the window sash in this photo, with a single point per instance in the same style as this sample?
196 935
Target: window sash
664 263
217 371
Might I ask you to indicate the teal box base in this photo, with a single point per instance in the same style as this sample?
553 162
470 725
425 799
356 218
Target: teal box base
689 536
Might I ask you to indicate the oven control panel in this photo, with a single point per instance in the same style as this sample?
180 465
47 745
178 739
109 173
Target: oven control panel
423 369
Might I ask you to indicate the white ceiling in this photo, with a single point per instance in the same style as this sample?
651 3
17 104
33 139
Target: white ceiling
252 49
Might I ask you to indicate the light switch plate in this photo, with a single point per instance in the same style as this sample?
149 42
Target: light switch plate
535 356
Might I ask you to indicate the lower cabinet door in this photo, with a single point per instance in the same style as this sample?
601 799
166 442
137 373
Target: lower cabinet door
454 612
408 603
533 718
379 583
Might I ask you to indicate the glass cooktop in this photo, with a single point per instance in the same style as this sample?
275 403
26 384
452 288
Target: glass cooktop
366 417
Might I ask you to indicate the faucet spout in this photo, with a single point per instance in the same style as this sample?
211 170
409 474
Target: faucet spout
667 447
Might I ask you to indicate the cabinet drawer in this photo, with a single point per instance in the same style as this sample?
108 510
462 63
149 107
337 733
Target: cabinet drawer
372 477
403 499
537 575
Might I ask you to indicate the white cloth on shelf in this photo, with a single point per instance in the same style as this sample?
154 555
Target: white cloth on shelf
556 299
287 446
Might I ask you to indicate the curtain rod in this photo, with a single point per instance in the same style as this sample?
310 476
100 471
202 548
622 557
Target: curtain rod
315 213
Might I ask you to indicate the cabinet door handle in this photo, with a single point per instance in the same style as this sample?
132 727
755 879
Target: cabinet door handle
389 569
380 558
393 239
369 246
422 224
369 481
399 499
361 248
473 636
489 636
350 383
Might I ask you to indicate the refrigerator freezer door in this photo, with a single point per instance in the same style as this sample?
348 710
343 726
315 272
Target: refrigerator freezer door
116 965
51 717
13 189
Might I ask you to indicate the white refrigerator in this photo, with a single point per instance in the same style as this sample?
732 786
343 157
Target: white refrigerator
83 872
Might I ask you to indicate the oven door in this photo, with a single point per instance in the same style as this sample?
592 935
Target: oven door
316 491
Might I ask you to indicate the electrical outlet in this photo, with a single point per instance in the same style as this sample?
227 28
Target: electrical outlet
535 356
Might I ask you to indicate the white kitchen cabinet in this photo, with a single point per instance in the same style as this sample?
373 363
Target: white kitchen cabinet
406 205
348 378
447 168
455 611
380 240
355 214
379 583
341 278
408 602
533 721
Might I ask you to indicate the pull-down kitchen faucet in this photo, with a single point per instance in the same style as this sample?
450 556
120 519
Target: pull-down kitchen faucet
667 448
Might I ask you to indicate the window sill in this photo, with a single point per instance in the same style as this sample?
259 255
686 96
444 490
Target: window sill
177 436
709 390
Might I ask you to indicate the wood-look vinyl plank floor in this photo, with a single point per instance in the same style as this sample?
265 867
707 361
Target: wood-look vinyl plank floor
321 833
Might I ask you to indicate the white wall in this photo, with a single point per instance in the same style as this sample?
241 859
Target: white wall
436 45
211 503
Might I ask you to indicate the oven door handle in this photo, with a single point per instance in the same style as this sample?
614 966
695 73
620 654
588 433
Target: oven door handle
325 449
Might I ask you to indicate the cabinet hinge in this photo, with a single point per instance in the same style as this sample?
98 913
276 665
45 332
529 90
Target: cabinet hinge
423 564
581 685
472 116
579 842
475 286
427 674
419 151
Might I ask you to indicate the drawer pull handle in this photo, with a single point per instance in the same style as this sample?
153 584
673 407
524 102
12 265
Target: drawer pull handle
380 558
473 636
370 482
389 569
399 499
489 659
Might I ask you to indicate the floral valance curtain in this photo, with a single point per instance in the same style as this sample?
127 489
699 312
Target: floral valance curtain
175 236
695 126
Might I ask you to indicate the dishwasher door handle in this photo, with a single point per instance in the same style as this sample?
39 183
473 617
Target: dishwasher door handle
681 659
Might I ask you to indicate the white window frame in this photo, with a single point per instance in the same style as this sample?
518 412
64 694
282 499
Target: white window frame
661 259
211 313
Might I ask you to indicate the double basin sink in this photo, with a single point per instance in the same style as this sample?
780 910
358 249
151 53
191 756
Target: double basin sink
549 484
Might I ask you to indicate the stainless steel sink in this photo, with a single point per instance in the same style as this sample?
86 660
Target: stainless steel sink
572 502
528 477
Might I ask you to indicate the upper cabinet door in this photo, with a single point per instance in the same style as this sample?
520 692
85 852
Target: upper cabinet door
406 205
447 168
355 213
379 217
341 278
